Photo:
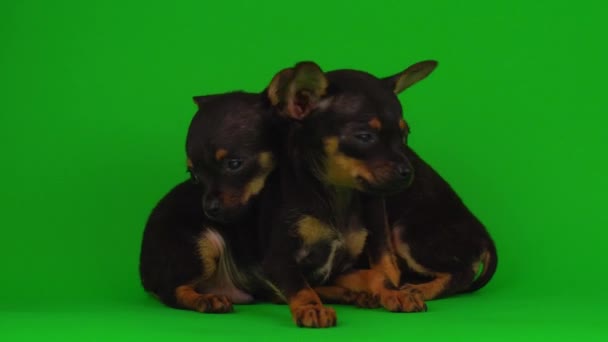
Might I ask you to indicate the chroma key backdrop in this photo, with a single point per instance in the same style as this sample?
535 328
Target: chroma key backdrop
95 101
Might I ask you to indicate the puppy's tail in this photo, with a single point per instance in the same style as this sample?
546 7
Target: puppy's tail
489 258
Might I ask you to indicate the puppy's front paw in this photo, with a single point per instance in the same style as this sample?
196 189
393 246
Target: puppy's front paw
209 303
367 300
314 316
403 301
415 300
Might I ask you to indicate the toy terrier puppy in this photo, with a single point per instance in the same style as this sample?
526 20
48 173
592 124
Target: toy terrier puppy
437 237
439 242
198 250
344 150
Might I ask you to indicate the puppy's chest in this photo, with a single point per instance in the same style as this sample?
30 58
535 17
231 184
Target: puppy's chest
329 245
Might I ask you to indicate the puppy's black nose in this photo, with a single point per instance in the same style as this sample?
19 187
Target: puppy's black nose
404 170
212 207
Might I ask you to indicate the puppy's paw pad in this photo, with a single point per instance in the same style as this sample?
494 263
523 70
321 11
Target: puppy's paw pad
403 301
367 300
415 300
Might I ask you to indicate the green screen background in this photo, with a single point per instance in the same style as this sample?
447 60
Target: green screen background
95 100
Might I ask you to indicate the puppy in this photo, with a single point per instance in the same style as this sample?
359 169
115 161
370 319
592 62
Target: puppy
199 244
343 152
434 233
439 242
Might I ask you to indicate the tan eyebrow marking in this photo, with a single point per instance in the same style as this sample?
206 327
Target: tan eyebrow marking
220 154
375 123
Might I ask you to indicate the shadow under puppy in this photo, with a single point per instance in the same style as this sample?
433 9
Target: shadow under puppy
343 152
199 244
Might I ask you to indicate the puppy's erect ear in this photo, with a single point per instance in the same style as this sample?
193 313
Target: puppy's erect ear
296 92
410 76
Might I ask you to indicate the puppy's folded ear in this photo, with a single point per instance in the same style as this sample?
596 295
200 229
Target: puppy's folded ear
410 76
278 85
296 91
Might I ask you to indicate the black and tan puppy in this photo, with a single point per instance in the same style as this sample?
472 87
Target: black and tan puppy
344 150
439 242
198 250
436 235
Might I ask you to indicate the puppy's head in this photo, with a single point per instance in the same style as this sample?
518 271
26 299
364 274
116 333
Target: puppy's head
230 151
351 129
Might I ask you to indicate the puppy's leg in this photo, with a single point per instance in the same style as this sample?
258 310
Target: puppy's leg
382 279
379 248
455 276
284 277
377 285
308 311
340 295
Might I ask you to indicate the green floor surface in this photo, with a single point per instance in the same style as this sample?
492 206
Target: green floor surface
486 316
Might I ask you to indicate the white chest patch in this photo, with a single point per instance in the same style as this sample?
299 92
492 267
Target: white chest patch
324 272
226 275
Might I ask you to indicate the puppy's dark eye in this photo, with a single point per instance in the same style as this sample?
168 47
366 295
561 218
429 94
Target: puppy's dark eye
234 164
365 137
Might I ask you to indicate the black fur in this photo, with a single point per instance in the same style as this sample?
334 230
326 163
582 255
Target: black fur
441 232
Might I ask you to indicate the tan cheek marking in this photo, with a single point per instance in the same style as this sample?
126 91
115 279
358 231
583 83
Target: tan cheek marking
220 154
311 230
253 188
342 170
375 124
266 162
355 241
189 163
